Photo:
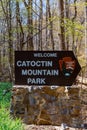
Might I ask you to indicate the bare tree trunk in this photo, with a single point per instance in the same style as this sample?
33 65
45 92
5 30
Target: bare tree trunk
28 6
74 47
20 35
67 16
17 26
36 25
9 23
86 32
40 25
47 31
51 24
30 26
62 29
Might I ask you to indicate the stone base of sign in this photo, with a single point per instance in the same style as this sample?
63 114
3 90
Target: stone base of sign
46 105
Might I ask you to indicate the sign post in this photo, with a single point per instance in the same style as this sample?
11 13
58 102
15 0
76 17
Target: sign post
46 68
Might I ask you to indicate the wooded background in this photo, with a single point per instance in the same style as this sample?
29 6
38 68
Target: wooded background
41 25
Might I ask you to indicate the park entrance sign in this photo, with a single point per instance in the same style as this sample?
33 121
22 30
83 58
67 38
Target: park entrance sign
46 68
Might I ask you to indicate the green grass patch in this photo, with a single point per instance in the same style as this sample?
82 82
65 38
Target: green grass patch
6 121
5 97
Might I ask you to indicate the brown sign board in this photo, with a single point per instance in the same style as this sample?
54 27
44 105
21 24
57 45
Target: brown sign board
46 68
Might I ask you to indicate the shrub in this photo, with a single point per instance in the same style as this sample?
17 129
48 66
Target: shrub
6 121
